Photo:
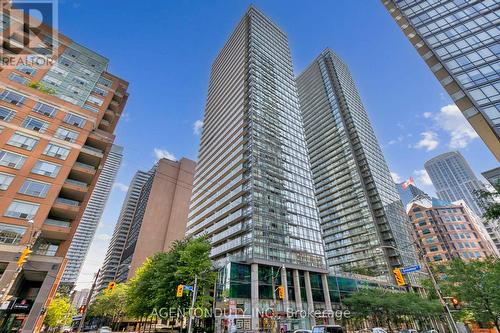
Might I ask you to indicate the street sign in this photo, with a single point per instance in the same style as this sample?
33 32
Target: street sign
188 288
410 269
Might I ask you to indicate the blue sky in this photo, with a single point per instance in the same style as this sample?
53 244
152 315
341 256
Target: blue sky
165 50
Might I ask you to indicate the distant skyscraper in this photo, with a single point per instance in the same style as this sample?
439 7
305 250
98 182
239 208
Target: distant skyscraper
91 217
409 193
458 40
253 193
454 180
119 238
360 209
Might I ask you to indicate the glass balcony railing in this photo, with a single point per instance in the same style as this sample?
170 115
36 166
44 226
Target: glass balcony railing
57 223
95 150
68 202
76 182
84 166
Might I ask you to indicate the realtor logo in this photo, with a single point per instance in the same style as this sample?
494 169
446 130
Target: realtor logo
27 28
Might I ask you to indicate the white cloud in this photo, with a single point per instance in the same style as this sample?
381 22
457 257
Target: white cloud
162 153
451 120
429 141
198 127
422 177
427 114
395 177
120 186
399 139
103 237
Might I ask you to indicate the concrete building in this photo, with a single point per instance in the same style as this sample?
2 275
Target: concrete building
116 246
154 215
91 216
458 40
163 218
446 232
454 180
409 193
79 298
57 120
492 176
362 216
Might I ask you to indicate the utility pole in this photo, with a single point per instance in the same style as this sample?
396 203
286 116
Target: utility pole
84 314
193 300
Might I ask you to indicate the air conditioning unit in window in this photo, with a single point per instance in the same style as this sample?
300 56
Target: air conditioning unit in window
14 102
46 113
23 215
67 139
3 117
11 165
47 173
58 156
76 124
24 146
36 129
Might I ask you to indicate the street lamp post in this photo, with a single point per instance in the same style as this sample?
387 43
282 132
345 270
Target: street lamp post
452 323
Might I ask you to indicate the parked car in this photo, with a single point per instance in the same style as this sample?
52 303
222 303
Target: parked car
302 331
430 331
378 330
104 329
327 329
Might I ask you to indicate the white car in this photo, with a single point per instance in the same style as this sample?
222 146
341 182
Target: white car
327 329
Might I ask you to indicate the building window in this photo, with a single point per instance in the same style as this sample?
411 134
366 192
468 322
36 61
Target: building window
22 141
74 120
100 91
5 180
45 109
26 69
34 188
6 114
35 124
11 234
66 134
90 108
105 82
18 78
11 160
56 151
46 247
22 210
12 97
95 100
46 169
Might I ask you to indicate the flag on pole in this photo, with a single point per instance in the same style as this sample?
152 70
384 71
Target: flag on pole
407 183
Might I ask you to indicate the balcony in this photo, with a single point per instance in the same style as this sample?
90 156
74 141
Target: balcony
65 208
57 223
92 151
74 189
56 229
82 172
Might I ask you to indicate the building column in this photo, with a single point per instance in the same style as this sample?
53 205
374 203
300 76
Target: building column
254 288
41 298
328 302
284 283
296 289
309 296
6 279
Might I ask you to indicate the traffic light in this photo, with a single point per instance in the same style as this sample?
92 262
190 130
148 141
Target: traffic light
400 280
111 287
180 289
281 292
455 303
24 256
81 309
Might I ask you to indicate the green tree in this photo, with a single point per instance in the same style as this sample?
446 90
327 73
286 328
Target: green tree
111 305
155 283
476 284
59 313
490 203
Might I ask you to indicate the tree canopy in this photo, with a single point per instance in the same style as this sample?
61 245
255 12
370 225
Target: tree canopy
59 313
